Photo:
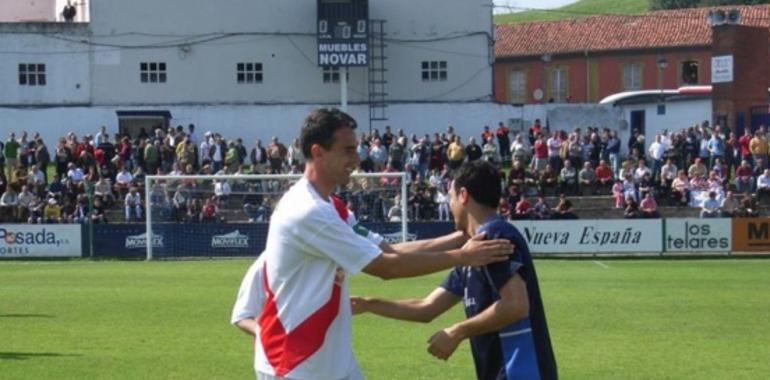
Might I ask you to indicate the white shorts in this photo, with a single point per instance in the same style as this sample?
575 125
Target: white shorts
355 374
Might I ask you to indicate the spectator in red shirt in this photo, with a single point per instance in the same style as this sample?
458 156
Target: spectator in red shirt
743 144
486 134
744 177
523 209
604 174
541 154
209 211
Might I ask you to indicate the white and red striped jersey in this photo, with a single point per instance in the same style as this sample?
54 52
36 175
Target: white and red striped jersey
300 294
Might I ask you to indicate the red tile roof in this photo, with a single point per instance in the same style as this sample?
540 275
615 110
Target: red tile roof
683 27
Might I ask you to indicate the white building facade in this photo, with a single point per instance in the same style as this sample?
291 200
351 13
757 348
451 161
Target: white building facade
244 68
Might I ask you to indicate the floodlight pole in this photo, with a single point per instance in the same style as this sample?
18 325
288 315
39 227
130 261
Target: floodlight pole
148 214
344 89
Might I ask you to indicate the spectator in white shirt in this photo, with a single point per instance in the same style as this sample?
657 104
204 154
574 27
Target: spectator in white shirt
442 200
711 207
133 203
75 174
222 190
641 170
204 149
763 183
656 151
102 136
123 181
37 178
379 155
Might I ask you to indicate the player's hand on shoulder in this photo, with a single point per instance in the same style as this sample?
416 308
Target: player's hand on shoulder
480 252
443 344
358 305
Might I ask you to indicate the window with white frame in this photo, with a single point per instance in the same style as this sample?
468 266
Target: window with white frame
632 76
32 74
559 84
518 86
434 71
331 74
249 72
152 72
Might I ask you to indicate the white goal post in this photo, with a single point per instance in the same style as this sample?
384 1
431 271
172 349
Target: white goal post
158 189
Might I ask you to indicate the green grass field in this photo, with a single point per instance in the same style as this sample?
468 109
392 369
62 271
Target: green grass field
582 8
628 319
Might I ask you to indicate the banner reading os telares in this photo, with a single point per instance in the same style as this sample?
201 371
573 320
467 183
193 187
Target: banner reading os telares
592 236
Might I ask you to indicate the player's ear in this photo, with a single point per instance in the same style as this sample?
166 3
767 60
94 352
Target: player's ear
463 195
316 151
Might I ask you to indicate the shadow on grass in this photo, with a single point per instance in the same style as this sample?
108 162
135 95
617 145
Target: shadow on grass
26 316
32 355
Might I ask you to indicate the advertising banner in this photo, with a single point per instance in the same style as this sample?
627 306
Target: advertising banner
592 236
343 33
751 235
40 240
180 240
697 235
211 240
722 69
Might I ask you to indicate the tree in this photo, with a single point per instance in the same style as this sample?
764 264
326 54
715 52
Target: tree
714 3
678 4
673 4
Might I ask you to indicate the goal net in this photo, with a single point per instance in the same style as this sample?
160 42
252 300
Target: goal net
228 215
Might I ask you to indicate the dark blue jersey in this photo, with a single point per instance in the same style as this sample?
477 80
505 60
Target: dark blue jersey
521 350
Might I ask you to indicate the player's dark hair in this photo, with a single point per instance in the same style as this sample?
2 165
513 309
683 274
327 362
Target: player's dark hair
482 180
319 127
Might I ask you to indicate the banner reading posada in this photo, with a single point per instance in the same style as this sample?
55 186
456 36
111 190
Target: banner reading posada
40 240
592 236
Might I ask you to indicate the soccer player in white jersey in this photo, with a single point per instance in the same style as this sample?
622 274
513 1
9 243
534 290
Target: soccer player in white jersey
295 300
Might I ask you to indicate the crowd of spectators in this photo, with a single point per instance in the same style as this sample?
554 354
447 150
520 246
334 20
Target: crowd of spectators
703 167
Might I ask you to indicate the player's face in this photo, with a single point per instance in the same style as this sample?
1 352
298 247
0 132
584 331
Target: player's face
342 158
457 208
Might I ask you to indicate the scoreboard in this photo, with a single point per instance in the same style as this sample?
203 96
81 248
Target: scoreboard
343 33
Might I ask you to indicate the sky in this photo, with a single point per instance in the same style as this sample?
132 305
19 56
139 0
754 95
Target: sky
539 4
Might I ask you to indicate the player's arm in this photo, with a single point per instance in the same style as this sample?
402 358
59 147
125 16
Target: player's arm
250 300
249 326
442 243
415 310
512 306
476 252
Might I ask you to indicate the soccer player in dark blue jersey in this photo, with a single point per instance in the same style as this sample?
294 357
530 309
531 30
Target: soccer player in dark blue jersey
506 322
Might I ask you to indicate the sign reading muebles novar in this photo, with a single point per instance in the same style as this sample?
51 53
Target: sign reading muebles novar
592 236
40 240
343 33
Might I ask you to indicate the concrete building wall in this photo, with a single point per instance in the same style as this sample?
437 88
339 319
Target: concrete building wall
67 64
251 122
206 40
27 10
